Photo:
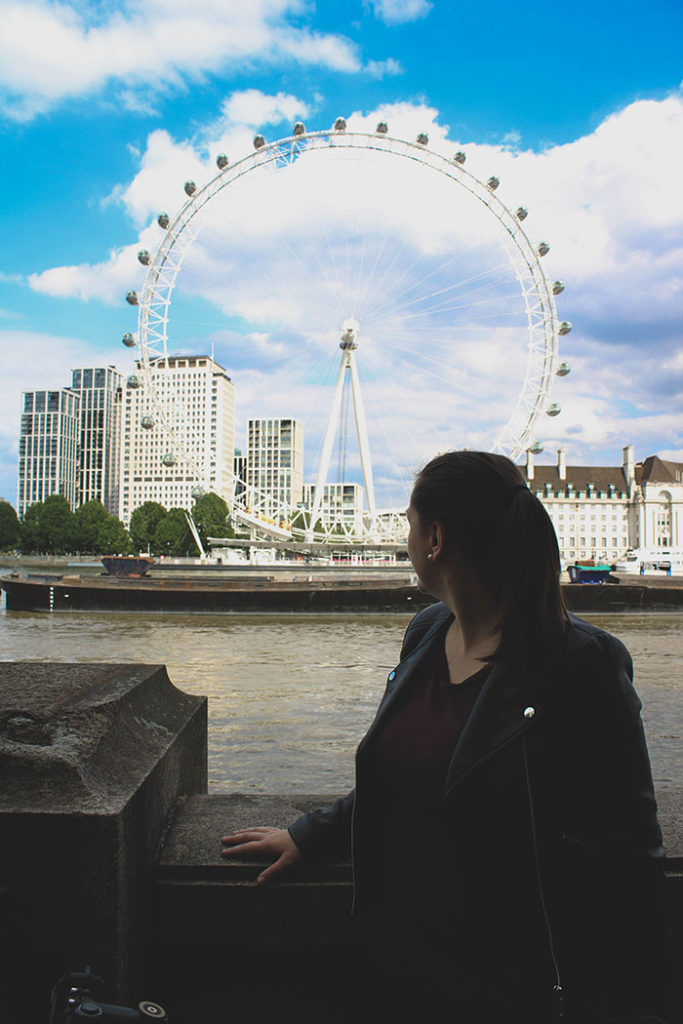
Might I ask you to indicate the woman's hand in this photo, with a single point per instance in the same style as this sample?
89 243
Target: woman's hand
264 843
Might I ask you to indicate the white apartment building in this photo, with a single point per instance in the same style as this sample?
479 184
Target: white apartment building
600 511
49 439
199 398
275 464
99 392
340 501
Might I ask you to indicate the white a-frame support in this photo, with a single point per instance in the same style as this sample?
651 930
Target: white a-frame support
348 346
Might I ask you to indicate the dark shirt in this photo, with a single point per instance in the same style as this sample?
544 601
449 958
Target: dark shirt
411 754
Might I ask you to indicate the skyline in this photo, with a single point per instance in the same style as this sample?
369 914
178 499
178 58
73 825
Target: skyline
582 119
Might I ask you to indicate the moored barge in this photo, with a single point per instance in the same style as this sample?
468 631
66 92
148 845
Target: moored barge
53 593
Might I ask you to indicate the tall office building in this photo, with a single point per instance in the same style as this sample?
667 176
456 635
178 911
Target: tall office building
198 397
275 464
99 391
48 447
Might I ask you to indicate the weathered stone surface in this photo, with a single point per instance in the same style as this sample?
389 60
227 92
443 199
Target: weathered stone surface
93 759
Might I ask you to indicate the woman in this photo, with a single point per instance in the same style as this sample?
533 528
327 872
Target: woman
503 828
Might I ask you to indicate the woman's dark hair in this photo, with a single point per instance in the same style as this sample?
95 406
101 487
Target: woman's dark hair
504 533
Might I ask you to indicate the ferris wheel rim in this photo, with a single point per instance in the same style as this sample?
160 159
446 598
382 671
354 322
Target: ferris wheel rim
542 320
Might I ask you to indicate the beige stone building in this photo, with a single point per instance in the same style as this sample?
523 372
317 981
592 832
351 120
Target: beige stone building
601 511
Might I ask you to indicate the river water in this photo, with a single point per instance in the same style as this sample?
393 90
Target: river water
291 695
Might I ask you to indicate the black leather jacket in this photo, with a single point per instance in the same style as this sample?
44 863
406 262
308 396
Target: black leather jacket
554 824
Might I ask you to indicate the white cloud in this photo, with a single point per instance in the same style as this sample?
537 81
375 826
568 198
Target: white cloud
384 68
398 12
50 50
284 258
254 108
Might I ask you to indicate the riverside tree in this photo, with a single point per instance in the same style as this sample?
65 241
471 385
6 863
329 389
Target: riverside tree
9 527
98 532
143 525
48 527
210 513
173 535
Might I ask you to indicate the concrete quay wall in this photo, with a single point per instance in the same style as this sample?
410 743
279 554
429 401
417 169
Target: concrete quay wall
111 858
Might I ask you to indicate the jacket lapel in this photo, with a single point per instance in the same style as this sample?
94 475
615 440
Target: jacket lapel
499 715
408 669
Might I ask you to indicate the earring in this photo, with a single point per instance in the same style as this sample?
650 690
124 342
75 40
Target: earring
430 555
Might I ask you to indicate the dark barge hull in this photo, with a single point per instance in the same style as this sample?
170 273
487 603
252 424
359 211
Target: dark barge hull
110 594
123 595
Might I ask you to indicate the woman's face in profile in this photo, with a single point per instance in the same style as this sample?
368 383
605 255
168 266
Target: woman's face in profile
419 546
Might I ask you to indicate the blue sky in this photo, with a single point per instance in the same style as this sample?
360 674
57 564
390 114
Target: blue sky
106 108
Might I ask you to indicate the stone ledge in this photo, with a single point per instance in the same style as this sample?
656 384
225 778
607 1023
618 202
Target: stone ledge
198 893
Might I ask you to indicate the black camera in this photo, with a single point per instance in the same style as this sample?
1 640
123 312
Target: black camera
79 996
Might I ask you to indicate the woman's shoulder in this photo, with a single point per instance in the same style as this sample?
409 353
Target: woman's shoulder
427 620
598 666
583 638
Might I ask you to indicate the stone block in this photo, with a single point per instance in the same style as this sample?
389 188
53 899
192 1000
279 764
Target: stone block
93 759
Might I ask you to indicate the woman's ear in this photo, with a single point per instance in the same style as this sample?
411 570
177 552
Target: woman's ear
437 540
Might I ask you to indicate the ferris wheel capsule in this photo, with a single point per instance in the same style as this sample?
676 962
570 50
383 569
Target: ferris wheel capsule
340 124
132 298
299 128
563 369
169 459
197 493
382 128
422 139
128 340
493 183
144 257
521 213
222 161
190 188
133 382
459 157
163 220
536 447
147 422
558 287
554 409
565 327
542 248
259 141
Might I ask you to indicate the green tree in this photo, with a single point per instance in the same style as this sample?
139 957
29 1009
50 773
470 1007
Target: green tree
57 525
210 513
173 535
28 529
9 527
48 527
88 521
143 525
113 538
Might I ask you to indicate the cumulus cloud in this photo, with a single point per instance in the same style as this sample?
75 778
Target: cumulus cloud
399 12
52 50
283 258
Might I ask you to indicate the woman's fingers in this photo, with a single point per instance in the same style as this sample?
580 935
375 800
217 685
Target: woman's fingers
283 863
265 843
246 835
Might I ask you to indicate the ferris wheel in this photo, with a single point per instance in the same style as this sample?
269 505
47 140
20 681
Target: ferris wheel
337 270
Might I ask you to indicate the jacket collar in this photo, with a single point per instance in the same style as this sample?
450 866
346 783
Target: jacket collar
498 715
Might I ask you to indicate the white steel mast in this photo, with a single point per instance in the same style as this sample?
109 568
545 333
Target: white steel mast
348 346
